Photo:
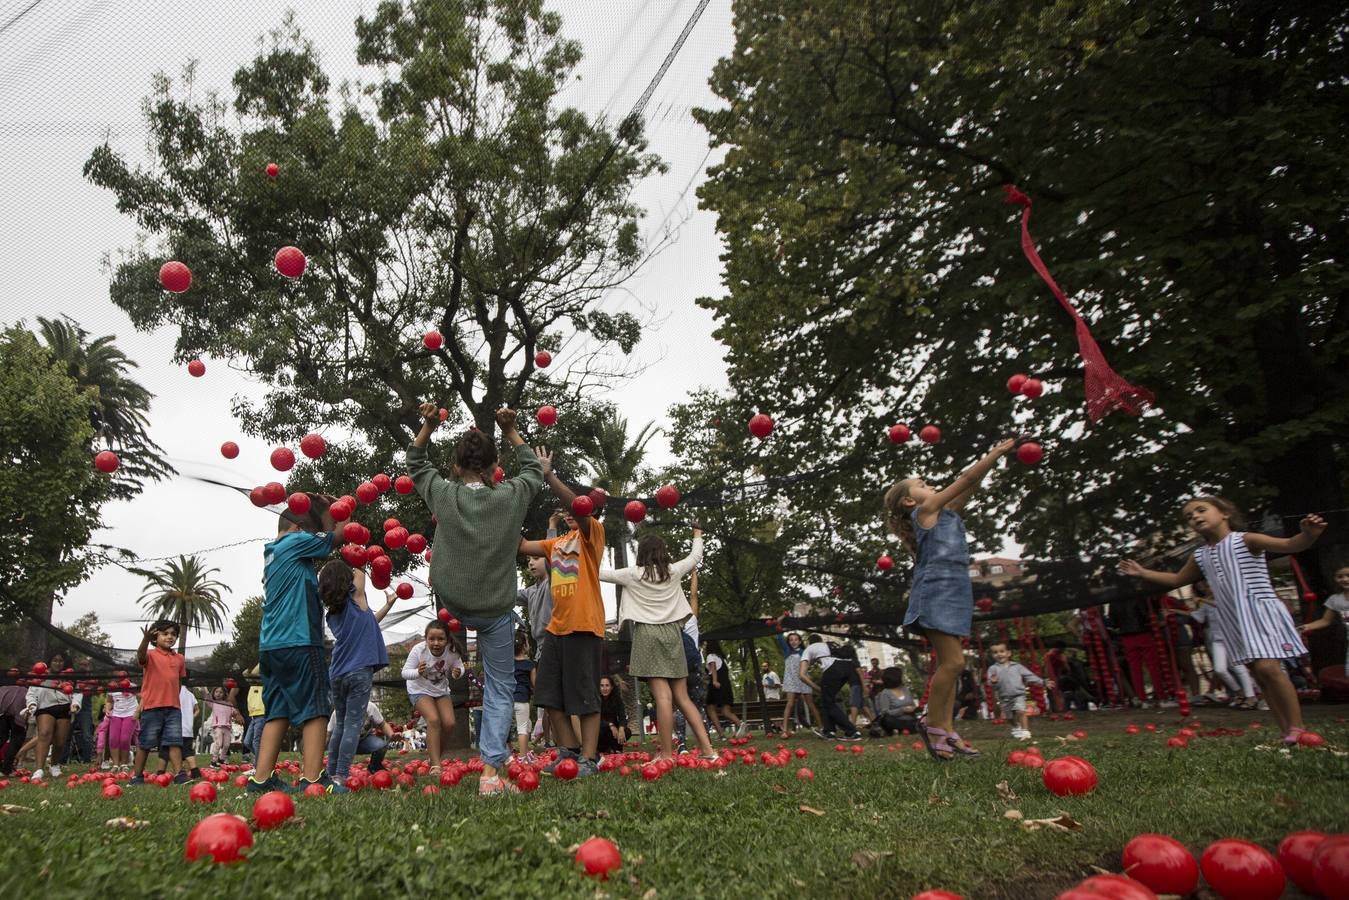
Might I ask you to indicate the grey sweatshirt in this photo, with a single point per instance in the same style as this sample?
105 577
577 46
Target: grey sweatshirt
1011 678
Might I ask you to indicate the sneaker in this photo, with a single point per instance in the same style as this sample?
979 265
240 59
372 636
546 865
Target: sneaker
1092 707
823 735
551 768
855 736
496 786
183 778
1262 706
1168 704
106 765
326 782
587 767
36 776
742 730
253 786
1021 734
56 771
138 778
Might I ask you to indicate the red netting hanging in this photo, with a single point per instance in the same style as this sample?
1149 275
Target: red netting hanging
1106 390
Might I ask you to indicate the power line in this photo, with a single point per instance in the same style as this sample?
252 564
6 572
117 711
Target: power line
14 20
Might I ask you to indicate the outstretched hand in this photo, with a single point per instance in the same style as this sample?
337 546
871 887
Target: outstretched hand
1313 526
545 458
506 418
1130 567
1005 446
430 412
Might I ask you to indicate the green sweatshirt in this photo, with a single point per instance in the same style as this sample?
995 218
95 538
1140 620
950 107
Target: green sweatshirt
477 533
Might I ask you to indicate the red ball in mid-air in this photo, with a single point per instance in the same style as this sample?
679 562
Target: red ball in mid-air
543 359
106 462
930 434
273 170
381 482
761 425
229 450
367 493
403 484
547 416
1015 382
443 615
313 445
298 503
433 340
634 511
1240 870
582 506
885 563
196 368
416 543
404 590
1029 453
283 459
498 475
273 492
1032 388
667 497
290 262
220 837
899 433
175 277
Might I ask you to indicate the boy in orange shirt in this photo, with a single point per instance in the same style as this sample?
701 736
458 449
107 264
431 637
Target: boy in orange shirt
568 676
161 717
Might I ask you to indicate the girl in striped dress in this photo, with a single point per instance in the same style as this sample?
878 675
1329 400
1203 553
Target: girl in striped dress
1255 625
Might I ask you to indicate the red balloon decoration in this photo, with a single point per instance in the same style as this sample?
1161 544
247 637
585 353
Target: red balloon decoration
175 277
899 433
930 434
106 462
257 497
229 450
443 615
196 368
367 493
313 445
381 482
283 459
290 262
498 475
416 543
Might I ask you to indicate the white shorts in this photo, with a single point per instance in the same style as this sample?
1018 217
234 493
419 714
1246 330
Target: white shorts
522 718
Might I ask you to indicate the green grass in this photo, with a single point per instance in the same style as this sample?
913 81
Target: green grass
894 823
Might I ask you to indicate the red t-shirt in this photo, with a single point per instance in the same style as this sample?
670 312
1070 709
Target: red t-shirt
164 674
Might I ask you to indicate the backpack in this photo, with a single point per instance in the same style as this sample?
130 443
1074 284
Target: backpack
842 651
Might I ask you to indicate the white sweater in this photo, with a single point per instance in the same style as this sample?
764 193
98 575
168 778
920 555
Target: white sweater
655 602
439 670
50 694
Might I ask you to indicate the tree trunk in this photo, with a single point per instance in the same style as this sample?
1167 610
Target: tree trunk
34 641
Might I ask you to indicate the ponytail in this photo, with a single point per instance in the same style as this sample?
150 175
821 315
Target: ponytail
899 521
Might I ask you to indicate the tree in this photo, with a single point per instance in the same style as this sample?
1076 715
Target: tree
50 493
240 652
613 463
452 192
183 591
1185 162
87 628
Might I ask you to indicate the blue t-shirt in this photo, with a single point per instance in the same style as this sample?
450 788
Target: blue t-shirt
523 689
291 613
357 641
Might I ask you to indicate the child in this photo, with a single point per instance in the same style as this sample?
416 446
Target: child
613 718
1257 628
373 733
428 670
1235 677
473 564
654 601
720 694
50 709
894 706
257 717
524 689
797 691
222 717
358 653
1009 680
941 599
161 718
1336 604
294 673
569 664
187 718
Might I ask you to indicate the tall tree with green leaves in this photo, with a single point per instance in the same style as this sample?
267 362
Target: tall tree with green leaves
613 462
183 591
240 652
452 191
50 493
1190 188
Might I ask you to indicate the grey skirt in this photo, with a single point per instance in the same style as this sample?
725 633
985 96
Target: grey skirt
658 651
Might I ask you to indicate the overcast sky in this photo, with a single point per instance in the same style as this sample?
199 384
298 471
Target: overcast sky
74 72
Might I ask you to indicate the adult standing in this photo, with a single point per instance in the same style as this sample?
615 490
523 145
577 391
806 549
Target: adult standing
835 671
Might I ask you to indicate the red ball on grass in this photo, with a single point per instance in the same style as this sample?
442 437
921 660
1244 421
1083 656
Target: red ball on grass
805 774
567 769
220 837
1111 887
203 792
1069 776
1161 863
1296 853
272 809
599 856
1240 870
1330 866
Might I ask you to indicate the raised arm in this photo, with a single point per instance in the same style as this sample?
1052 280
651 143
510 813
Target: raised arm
964 484
1310 530
693 592
424 475
358 588
1188 574
686 565
564 494
389 599
141 658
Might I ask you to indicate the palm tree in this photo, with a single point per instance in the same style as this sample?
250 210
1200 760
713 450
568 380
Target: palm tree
614 464
118 404
183 591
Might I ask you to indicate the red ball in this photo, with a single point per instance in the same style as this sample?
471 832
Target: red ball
396 538
1029 453
930 434
1069 776
1310 739
1032 388
229 450
273 492
567 769
1161 863
885 563
498 475
112 791
1309 596
805 774
367 493
667 497
984 604
801 753
1240 870
258 497
290 262
899 434
353 555
1112 887
404 590
356 533
1131 729
203 792
175 277
543 359
340 511
196 368
528 781
634 511
382 780
416 543
221 837
547 416
937 895
381 482
599 856
1330 866
1296 853
454 625
298 503
443 615
273 170
283 459
1015 382
313 445
433 340
444 414
272 809
107 462
582 506
761 426
599 498
403 484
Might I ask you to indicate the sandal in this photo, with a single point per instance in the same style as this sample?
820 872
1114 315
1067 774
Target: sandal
962 747
936 741
1291 738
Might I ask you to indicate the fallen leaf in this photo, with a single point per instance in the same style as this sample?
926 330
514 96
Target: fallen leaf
125 823
1013 814
934 800
810 809
1063 822
1284 801
650 894
1005 792
779 789
10 809
866 858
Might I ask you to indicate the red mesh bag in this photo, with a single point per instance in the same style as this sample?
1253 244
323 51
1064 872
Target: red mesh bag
1106 390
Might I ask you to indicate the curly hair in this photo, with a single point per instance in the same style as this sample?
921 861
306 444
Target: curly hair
476 453
336 580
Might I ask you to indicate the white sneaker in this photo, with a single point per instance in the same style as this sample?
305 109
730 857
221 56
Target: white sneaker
106 765
1092 707
1020 734
56 771
743 730
1168 704
36 776
1262 706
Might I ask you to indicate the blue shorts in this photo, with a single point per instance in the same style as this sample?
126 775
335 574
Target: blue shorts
295 684
161 725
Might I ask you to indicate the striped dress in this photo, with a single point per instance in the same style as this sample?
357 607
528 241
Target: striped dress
1254 622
